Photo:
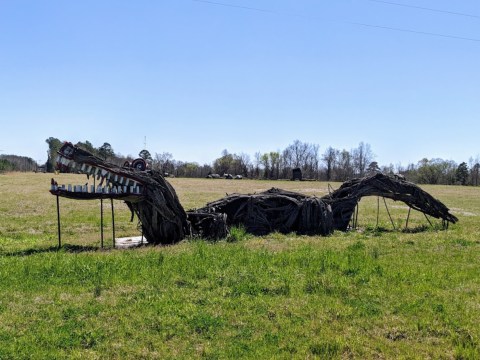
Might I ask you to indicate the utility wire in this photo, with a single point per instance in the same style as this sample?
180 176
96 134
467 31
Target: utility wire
418 32
425 8
237 6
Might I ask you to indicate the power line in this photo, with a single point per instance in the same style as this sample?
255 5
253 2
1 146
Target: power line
413 31
236 6
425 8
418 32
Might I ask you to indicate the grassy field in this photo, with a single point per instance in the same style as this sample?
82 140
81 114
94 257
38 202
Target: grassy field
374 293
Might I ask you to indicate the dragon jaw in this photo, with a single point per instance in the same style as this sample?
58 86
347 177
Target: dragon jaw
112 181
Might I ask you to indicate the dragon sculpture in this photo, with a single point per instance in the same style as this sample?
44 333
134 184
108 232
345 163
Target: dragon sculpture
164 221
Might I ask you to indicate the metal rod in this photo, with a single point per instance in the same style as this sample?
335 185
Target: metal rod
426 217
386 207
58 223
330 188
113 223
356 216
101 223
408 217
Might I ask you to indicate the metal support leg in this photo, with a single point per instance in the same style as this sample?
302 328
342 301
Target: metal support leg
58 223
408 217
113 223
391 220
101 223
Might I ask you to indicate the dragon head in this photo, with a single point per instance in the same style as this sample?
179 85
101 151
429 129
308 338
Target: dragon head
145 192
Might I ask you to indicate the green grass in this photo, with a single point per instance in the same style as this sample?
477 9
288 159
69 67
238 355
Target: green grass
375 293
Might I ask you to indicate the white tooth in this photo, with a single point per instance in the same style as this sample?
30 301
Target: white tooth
82 168
69 187
104 172
131 189
99 189
115 179
120 180
124 189
92 188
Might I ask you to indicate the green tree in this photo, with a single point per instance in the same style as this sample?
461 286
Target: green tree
6 165
106 151
373 168
53 146
224 164
145 155
265 161
275 164
461 174
88 146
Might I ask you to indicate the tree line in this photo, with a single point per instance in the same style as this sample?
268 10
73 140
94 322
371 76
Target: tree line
17 163
330 165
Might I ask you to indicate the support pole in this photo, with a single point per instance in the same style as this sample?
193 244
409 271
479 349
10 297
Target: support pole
113 223
391 220
378 210
356 217
408 217
58 223
142 236
426 217
101 223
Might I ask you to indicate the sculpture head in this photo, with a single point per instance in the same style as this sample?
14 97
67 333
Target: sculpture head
145 192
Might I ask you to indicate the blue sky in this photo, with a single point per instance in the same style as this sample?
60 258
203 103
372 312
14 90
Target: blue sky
197 77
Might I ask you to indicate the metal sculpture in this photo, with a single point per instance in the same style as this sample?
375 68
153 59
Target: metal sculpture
164 221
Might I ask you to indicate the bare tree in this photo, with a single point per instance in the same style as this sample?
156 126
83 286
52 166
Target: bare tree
329 157
345 169
164 162
362 157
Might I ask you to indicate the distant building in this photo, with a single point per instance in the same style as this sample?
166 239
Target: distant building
297 174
